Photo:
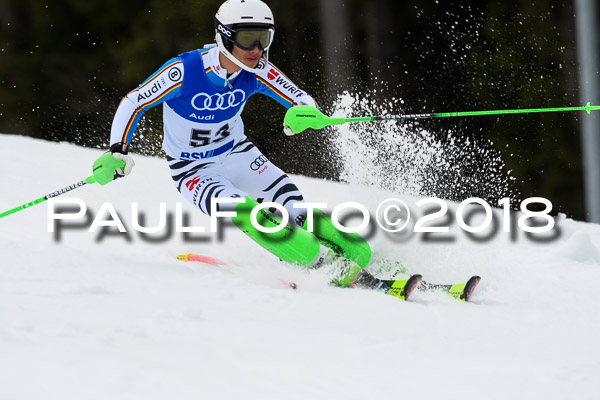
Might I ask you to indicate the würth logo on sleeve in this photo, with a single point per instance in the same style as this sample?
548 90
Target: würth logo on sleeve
191 184
272 74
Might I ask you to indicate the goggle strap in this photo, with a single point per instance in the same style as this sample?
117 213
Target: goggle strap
224 30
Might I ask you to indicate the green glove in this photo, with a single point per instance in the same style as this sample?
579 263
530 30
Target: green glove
106 166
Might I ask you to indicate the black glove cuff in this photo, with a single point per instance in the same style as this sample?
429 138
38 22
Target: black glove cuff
122 148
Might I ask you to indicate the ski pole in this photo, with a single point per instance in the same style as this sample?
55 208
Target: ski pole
79 184
103 172
300 118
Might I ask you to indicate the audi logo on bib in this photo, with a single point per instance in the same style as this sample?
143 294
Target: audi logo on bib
219 101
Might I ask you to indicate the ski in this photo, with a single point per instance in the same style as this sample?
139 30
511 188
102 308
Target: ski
461 291
401 288
218 263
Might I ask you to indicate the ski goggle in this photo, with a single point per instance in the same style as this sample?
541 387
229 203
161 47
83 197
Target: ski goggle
247 38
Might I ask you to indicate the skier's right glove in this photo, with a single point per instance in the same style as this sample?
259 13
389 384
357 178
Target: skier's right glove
113 164
288 131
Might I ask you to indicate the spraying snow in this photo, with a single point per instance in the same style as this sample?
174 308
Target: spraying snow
405 158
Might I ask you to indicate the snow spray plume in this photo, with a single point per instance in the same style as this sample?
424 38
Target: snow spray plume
405 158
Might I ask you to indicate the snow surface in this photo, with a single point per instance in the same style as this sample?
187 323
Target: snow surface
110 318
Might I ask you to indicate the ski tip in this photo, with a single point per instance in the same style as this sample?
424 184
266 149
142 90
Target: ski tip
470 287
410 286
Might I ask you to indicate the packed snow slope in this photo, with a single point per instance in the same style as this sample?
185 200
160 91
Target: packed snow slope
116 316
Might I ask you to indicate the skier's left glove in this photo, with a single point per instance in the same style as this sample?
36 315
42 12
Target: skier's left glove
113 164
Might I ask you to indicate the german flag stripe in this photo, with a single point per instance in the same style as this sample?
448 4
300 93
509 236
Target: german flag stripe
277 91
142 107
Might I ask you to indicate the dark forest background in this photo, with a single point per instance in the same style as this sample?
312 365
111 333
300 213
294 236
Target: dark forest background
66 64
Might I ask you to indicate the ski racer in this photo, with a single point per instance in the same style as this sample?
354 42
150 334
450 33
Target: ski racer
203 93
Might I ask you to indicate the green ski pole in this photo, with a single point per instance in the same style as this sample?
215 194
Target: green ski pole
90 179
300 118
103 171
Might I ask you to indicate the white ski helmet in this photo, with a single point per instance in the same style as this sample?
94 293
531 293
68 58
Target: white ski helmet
246 23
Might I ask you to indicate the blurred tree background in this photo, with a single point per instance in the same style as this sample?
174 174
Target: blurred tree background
66 64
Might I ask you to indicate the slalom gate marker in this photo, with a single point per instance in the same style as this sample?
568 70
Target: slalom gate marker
200 258
300 118
218 263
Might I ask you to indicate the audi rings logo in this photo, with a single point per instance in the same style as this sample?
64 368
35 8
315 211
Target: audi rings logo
257 163
219 101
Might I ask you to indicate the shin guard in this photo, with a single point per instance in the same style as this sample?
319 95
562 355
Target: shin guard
349 245
291 244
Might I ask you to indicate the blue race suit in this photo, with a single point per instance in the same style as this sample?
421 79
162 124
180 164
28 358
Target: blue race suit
207 150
